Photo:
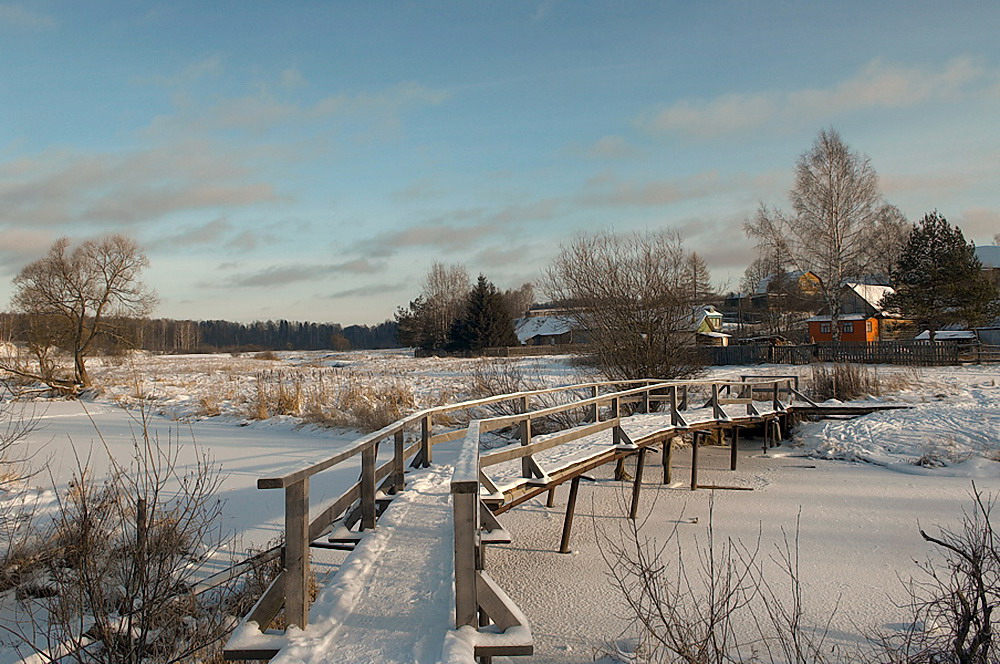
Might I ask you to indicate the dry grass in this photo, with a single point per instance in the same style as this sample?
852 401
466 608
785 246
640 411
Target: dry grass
360 405
853 381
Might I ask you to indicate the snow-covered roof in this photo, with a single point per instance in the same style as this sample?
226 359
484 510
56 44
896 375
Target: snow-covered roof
534 326
989 256
715 335
947 335
871 294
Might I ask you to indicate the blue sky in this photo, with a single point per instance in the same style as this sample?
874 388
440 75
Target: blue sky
310 160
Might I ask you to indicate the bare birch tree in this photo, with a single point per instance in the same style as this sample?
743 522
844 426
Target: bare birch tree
81 290
837 209
630 296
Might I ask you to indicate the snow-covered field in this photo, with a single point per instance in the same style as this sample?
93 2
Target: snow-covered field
861 485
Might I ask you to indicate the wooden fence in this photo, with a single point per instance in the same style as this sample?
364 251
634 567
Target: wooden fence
914 353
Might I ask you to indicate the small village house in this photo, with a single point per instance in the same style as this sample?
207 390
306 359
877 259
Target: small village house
861 318
707 325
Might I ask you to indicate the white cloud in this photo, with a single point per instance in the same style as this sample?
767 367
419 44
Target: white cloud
877 85
62 188
20 17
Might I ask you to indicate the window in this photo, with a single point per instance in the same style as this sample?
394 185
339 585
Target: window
868 326
847 327
824 328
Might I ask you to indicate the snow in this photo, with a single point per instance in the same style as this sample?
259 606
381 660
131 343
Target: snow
534 326
860 485
393 598
947 335
872 294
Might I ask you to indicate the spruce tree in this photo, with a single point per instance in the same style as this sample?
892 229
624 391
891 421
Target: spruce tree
938 279
486 323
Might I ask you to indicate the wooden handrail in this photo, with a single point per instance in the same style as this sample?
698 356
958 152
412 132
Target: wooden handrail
300 530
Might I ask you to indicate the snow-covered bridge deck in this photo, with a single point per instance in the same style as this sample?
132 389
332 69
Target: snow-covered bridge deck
413 589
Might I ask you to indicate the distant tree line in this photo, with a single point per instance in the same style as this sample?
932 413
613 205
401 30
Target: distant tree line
188 336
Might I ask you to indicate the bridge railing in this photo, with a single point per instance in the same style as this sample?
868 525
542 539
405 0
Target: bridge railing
477 599
413 438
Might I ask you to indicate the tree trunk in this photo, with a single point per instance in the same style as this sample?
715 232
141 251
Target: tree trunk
80 369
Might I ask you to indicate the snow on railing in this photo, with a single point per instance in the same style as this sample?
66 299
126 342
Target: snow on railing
358 505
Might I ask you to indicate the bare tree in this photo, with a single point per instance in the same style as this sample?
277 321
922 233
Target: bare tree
629 295
837 210
519 300
888 240
79 291
444 290
428 319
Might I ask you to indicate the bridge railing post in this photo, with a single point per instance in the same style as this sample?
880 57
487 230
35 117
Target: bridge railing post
524 431
368 487
674 415
717 411
465 503
645 399
776 398
398 462
426 427
297 553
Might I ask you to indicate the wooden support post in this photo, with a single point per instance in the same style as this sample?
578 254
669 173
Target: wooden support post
668 460
398 463
466 510
524 431
297 553
637 485
616 408
734 446
767 435
574 488
684 397
775 400
368 456
645 401
674 415
551 500
717 412
426 426
595 410
694 459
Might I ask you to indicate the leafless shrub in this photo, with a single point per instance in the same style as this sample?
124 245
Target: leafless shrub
129 548
495 376
268 355
954 602
845 382
725 609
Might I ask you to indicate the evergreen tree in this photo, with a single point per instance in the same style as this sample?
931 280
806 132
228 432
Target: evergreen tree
486 323
698 279
939 280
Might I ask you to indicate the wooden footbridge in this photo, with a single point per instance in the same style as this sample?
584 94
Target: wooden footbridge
415 586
